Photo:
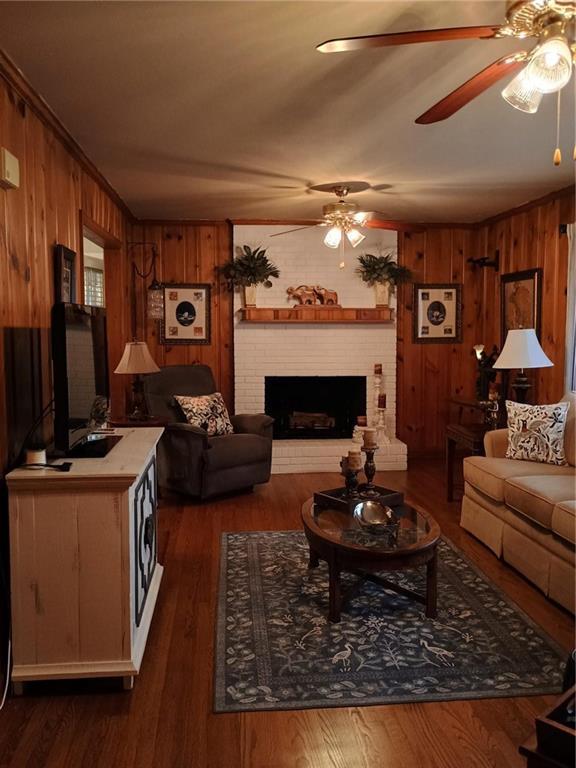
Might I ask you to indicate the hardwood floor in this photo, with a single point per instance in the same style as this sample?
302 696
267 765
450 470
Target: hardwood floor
167 720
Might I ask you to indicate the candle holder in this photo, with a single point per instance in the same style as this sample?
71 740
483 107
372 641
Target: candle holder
381 426
351 480
368 488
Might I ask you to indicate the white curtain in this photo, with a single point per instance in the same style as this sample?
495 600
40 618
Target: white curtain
571 312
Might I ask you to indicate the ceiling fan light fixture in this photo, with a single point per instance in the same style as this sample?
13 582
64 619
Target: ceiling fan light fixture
550 67
333 237
355 237
522 94
360 218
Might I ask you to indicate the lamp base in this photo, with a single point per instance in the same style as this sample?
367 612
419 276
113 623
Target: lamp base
521 385
139 406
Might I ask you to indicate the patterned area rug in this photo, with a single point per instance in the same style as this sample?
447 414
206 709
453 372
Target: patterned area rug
276 650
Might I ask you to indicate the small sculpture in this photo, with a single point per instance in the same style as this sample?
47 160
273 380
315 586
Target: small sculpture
326 295
304 294
313 294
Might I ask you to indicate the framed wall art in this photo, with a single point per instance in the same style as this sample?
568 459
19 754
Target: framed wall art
64 274
437 313
186 313
520 301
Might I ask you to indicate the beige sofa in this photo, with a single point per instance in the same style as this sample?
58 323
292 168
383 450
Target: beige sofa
525 511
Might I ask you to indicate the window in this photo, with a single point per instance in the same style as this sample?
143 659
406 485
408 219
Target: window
94 294
94 286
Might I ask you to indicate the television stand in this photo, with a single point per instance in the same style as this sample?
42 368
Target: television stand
83 562
93 447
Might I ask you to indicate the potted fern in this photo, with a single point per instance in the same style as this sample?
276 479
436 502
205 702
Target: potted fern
248 270
383 273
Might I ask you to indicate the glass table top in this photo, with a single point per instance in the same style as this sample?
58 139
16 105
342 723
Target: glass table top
341 527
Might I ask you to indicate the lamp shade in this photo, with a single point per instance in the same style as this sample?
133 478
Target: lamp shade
522 350
136 359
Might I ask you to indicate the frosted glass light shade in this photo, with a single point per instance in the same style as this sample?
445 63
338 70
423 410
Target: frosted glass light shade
155 301
355 237
522 94
361 217
550 68
333 237
136 359
522 350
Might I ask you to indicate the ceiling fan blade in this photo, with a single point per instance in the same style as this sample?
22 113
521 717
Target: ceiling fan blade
405 38
287 231
397 226
507 65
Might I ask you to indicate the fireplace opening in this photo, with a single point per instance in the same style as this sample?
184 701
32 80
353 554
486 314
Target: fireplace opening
314 407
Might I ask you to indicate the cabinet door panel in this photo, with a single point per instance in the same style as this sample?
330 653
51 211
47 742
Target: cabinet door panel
145 550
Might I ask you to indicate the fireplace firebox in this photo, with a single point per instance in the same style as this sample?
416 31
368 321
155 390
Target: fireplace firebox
314 407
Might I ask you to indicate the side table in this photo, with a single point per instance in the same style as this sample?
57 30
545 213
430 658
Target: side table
467 436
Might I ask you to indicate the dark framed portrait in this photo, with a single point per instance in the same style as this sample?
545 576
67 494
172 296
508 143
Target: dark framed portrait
64 275
437 313
186 313
520 301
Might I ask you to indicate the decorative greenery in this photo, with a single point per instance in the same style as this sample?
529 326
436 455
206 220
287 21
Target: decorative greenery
251 267
381 269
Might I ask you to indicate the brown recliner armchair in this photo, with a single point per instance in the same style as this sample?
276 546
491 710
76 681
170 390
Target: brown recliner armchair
191 462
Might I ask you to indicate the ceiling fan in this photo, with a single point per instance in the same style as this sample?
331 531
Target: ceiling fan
345 219
545 69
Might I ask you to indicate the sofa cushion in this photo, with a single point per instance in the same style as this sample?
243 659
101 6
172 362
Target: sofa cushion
235 450
488 475
564 520
536 432
537 495
207 412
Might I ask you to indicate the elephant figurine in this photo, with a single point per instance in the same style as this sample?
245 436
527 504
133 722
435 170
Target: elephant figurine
304 294
326 295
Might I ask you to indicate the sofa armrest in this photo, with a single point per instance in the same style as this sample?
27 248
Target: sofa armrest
495 443
183 429
253 423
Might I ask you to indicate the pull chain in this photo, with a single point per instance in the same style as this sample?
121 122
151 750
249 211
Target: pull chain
557 153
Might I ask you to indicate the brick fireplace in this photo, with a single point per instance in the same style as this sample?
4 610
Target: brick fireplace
315 350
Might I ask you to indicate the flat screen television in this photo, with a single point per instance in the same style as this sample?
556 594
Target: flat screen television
80 366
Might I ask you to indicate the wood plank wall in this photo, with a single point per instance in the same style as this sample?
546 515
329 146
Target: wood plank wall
55 187
429 374
189 253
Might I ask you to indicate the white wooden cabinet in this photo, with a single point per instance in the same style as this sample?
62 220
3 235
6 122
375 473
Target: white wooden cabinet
83 561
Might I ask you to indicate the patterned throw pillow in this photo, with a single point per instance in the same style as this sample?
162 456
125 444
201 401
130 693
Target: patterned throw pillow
536 432
206 411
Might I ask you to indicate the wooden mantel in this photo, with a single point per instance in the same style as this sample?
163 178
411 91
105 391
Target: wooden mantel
318 314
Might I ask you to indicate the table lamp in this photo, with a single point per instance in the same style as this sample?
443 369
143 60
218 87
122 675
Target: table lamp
522 350
136 361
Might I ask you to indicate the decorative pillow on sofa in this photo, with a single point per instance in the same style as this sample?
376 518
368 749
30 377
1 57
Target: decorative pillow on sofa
536 432
206 411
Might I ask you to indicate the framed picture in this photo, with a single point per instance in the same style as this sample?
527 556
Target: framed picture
437 313
520 301
186 313
64 274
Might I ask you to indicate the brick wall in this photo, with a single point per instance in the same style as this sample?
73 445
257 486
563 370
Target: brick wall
312 349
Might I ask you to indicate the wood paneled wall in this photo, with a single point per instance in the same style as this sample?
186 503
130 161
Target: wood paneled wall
189 253
528 238
430 374
56 187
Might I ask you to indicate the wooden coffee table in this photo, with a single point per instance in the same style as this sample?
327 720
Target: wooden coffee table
335 536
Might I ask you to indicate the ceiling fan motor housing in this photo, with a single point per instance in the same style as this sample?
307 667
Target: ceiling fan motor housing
530 18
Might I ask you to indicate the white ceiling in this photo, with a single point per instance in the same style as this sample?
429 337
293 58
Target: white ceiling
225 109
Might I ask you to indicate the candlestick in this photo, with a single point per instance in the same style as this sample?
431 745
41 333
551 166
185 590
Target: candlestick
378 368
362 421
368 488
382 401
